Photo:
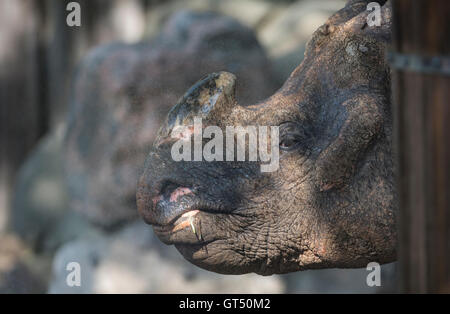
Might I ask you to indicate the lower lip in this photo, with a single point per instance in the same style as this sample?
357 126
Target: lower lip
176 226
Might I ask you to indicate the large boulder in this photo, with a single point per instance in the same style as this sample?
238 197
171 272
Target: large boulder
40 214
282 27
252 13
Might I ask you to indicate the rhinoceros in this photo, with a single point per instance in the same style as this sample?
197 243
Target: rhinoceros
330 203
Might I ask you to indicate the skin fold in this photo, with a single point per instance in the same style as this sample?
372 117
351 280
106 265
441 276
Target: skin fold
332 201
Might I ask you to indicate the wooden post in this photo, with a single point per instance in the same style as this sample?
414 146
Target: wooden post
421 90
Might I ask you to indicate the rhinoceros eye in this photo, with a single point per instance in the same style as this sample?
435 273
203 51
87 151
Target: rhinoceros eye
291 136
288 143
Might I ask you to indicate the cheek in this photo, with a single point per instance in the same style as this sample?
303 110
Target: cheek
295 167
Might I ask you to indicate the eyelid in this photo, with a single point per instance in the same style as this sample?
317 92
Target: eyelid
291 132
289 148
287 122
288 127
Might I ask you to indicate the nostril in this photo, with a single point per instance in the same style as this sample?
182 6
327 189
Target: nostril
167 187
171 191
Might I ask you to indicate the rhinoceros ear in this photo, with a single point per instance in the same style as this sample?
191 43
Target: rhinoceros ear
356 18
336 164
352 9
375 20
362 13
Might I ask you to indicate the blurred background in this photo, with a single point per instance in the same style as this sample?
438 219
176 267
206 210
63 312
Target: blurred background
79 109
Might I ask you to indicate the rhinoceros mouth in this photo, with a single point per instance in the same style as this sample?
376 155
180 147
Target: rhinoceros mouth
191 225
181 213
180 222
185 229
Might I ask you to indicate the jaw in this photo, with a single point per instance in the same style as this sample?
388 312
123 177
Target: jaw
217 242
201 238
241 237
228 257
218 256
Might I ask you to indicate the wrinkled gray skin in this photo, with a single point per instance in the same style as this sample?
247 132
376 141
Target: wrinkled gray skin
332 202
